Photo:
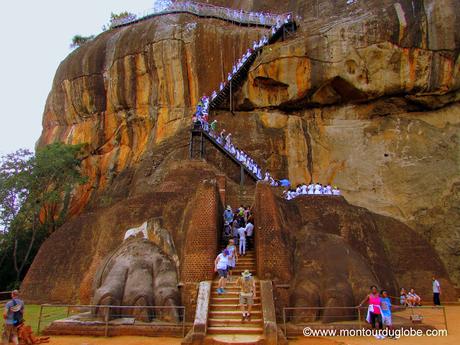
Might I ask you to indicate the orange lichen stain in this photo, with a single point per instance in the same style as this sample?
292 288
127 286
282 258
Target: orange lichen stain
191 78
83 132
303 76
111 125
447 72
168 123
408 69
143 86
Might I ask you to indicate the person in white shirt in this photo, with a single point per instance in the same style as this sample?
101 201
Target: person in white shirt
267 176
234 70
249 235
242 237
318 189
214 94
436 291
304 189
336 191
328 190
298 190
221 86
311 189
221 266
265 40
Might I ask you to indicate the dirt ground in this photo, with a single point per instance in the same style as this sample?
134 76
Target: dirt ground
114 341
453 325
453 318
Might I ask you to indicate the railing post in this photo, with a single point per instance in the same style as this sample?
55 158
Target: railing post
284 323
183 322
40 319
359 318
106 330
201 145
231 96
445 318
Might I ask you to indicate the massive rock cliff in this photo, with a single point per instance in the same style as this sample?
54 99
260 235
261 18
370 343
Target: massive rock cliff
364 95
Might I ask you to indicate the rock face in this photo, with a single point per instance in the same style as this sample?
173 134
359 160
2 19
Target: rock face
364 96
338 251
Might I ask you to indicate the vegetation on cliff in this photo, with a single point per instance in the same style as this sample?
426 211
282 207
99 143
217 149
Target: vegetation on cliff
34 197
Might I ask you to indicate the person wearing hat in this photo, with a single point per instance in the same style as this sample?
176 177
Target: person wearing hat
221 267
247 286
228 215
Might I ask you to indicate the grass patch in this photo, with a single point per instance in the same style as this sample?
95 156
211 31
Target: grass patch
50 314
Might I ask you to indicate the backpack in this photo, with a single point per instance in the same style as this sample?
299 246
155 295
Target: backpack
17 315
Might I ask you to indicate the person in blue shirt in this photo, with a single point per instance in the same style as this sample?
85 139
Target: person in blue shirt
385 307
14 310
228 215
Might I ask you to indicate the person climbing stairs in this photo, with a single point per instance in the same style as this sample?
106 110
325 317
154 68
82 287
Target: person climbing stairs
225 316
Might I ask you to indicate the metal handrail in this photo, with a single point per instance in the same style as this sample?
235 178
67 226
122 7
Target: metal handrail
207 10
224 150
107 320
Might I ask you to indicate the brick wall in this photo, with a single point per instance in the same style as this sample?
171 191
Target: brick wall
202 222
274 252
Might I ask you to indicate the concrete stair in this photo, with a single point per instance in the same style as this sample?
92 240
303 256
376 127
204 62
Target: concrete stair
225 318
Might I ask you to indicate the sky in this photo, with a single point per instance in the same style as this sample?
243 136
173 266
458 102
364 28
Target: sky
35 38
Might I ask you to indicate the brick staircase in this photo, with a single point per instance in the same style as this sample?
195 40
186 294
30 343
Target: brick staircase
224 311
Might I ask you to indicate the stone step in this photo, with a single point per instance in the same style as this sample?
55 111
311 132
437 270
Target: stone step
235 322
235 330
232 314
238 339
216 281
232 294
231 284
218 299
231 306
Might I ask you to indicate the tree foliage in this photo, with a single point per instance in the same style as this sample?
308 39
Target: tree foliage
79 40
117 18
35 191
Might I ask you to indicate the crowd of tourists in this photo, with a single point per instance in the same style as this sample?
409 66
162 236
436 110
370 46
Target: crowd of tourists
379 310
201 114
238 229
208 10
238 232
311 189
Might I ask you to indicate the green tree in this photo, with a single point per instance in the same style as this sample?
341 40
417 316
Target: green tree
79 40
116 18
35 191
